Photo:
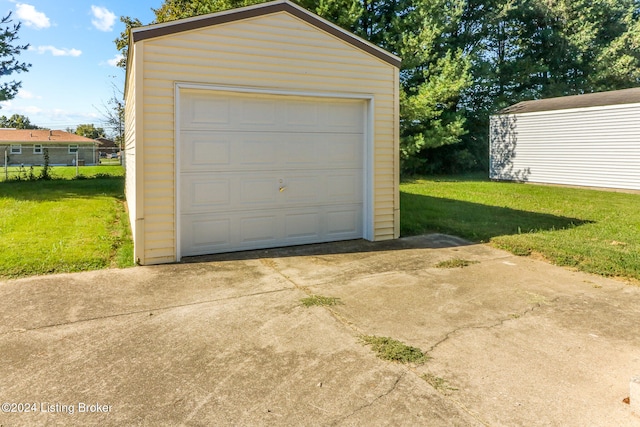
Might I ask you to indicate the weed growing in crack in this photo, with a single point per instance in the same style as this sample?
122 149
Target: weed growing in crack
438 383
455 263
320 301
389 349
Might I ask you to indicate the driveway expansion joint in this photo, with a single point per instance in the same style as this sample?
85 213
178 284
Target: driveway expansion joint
150 310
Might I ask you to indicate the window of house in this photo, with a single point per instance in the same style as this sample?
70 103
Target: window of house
73 148
37 149
16 149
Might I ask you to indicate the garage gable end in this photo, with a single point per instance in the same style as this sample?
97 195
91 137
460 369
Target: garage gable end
190 24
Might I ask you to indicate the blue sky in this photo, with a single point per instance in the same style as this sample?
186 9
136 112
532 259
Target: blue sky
72 55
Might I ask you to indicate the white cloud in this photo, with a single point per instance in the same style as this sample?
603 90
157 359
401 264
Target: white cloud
57 51
30 110
16 109
25 94
31 17
104 18
114 61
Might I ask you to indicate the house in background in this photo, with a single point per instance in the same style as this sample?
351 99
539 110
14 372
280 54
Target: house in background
588 140
27 147
108 148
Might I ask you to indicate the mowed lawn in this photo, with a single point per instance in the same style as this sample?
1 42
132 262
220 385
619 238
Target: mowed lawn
64 225
590 230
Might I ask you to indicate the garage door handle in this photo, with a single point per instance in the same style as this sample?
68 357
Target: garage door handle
282 188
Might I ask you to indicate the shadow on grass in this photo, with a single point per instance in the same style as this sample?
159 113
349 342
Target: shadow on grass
466 177
57 189
477 222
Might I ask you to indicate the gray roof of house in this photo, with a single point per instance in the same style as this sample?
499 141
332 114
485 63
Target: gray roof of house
624 96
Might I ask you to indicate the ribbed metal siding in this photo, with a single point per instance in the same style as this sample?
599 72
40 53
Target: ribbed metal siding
598 147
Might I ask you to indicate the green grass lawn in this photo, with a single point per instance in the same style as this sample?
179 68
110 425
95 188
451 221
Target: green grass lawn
64 225
593 231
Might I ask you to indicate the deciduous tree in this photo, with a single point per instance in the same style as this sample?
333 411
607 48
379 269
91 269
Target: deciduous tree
17 121
8 53
90 131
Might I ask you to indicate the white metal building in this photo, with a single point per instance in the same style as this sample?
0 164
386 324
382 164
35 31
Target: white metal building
588 140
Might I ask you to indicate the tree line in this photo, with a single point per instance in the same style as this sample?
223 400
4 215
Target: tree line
19 121
463 60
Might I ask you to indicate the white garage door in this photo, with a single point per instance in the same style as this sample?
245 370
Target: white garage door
260 171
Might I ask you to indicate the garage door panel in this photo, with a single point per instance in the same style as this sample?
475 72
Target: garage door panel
301 114
202 111
235 151
299 151
259 113
345 222
343 150
256 191
206 234
342 117
206 193
255 114
210 194
258 228
204 151
220 192
302 225
224 232
273 171
256 150
345 186
298 189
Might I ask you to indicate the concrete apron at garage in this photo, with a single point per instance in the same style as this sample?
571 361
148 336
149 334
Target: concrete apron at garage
225 340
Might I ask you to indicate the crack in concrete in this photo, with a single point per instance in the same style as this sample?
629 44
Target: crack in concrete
500 322
408 369
147 310
372 402
340 318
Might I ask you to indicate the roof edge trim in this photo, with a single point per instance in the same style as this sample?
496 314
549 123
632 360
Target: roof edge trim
571 102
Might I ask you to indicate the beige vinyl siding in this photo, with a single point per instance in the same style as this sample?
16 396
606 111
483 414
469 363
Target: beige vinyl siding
130 141
279 52
595 147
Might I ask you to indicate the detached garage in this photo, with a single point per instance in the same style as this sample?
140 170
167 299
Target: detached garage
258 127
586 140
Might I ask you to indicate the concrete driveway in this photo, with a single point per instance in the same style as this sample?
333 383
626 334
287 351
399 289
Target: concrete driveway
225 340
